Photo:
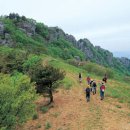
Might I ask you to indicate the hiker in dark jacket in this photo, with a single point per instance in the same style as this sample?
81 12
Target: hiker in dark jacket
102 90
105 78
88 93
94 85
80 78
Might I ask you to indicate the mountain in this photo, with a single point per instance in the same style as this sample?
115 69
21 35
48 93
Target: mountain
21 32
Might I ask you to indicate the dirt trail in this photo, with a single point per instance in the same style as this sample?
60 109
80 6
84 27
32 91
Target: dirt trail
70 111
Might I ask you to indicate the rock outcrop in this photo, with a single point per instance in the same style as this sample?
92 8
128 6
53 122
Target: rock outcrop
27 27
125 61
5 38
1 28
55 33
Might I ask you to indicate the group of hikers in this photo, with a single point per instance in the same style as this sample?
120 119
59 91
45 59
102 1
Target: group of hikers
91 86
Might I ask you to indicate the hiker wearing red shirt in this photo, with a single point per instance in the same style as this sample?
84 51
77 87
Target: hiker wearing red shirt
88 80
102 89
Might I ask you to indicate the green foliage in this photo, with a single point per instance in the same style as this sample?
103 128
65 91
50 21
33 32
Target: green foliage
42 29
64 66
26 42
73 62
11 59
98 70
35 116
56 114
38 126
5 50
44 109
63 49
46 78
118 106
31 63
67 83
16 100
39 38
9 26
41 74
14 16
119 90
127 79
47 125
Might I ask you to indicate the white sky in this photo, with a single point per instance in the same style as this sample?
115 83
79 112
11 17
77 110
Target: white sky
104 22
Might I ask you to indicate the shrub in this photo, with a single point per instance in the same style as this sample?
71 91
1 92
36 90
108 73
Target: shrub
44 109
16 100
42 29
35 116
31 63
47 125
11 59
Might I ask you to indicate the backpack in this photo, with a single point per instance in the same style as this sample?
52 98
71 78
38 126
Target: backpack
87 90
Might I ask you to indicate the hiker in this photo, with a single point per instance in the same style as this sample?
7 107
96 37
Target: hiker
88 80
91 85
87 90
102 89
105 78
94 85
80 78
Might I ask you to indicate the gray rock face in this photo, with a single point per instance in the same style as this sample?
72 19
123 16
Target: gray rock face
125 61
106 55
85 46
55 33
1 28
71 39
7 40
27 27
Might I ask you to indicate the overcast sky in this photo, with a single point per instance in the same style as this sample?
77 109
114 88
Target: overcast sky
104 22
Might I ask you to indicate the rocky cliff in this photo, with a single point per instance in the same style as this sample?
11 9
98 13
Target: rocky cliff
92 53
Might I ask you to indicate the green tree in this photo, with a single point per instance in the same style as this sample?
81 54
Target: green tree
17 95
45 78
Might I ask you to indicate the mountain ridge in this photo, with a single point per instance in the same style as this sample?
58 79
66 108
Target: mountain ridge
54 37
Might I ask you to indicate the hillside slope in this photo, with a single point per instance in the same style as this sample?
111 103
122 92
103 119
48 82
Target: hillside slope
70 111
